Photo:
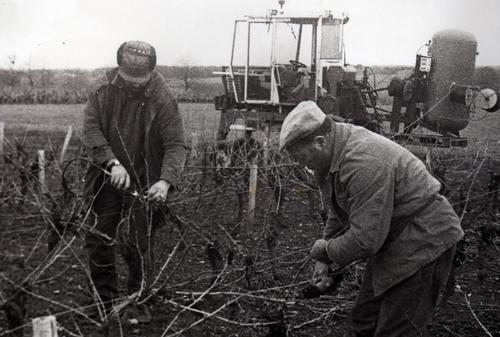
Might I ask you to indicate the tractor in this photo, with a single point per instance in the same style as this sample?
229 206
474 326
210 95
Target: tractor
278 60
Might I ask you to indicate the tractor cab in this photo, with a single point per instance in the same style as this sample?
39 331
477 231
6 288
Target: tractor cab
277 61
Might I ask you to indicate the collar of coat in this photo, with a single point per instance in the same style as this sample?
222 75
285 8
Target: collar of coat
115 80
340 134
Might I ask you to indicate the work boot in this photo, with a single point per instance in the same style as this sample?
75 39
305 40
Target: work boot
136 314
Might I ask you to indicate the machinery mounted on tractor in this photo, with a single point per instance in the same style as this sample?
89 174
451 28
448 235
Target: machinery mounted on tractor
278 60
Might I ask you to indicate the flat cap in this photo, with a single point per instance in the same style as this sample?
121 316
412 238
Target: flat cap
302 121
136 61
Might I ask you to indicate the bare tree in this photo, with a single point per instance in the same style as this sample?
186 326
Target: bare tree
186 72
46 78
10 76
30 74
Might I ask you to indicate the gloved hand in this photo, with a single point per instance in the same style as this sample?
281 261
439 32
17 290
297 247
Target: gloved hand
320 269
321 279
159 191
318 251
120 178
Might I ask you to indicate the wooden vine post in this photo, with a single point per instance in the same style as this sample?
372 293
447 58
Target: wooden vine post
66 144
41 171
266 144
2 135
252 191
194 144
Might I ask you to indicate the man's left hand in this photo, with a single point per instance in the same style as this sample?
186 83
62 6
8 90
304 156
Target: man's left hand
159 191
318 251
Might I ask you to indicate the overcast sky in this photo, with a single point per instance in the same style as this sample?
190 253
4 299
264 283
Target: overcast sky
86 33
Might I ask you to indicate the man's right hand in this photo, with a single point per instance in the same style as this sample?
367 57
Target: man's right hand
120 179
321 279
320 270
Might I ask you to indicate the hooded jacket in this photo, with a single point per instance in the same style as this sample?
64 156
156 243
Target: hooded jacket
164 142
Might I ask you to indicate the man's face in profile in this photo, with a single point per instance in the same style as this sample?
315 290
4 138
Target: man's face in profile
312 154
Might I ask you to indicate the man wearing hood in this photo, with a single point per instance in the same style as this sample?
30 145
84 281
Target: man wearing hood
133 132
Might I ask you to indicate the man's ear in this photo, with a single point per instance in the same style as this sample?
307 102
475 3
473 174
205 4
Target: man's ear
321 141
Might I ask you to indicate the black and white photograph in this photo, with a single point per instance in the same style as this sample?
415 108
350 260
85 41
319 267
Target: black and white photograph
260 168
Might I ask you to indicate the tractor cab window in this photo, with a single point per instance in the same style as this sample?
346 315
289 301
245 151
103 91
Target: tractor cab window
293 42
260 44
252 45
239 55
259 57
331 39
293 62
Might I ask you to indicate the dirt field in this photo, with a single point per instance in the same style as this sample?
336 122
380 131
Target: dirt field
260 271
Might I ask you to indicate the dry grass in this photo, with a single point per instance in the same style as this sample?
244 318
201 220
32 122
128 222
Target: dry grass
199 117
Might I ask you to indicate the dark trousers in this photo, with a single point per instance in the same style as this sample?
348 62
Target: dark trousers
120 220
405 309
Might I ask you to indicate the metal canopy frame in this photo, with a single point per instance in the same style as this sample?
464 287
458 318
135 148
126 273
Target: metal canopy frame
316 62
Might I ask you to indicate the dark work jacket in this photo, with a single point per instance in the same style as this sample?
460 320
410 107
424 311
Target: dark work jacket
164 143
385 206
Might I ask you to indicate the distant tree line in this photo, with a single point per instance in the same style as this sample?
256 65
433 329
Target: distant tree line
188 82
43 86
42 96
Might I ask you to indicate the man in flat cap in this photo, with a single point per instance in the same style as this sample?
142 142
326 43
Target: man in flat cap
384 207
133 132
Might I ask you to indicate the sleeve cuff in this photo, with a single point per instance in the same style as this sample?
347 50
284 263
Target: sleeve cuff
341 256
332 233
169 178
101 154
